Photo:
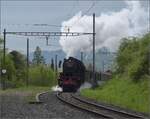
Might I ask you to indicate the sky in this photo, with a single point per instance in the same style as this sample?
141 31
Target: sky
23 15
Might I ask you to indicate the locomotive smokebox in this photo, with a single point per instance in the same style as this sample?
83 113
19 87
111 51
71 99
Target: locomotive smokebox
72 76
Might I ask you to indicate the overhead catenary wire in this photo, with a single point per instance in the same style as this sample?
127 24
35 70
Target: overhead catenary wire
62 0
47 25
74 6
37 24
86 12
54 25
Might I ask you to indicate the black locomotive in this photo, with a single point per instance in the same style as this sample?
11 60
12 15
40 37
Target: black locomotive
72 76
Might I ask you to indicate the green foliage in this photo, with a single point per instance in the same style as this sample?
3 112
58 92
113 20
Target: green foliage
20 65
1 41
16 76
38 58
18 59
41 76
123 93
16 69
132 58
10 68
132 65
10 75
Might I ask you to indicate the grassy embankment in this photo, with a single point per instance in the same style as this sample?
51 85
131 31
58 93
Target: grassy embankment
28 93
123 93
130 85
41 79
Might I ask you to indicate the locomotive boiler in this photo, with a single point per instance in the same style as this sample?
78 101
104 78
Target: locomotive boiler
72 76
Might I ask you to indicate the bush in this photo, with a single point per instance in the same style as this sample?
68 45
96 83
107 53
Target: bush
129 87
41 76
124 93
10 76
132 58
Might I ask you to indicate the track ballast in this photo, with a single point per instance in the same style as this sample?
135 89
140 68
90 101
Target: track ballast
97 109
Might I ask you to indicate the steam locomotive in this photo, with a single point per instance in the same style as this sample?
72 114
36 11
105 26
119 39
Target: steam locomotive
72 76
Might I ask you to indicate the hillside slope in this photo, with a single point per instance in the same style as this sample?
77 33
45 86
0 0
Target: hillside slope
129 87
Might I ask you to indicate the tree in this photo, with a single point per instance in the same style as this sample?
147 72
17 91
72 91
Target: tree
19 63
1 41
18 59
11 71
37 56
133 57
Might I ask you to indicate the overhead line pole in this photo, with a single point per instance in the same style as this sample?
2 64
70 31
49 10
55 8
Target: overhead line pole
56 65
27 80
4 55
47 34
94 78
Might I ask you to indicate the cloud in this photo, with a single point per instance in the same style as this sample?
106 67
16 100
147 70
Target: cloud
111 27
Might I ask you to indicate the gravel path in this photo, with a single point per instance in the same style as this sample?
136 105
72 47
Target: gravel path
15 106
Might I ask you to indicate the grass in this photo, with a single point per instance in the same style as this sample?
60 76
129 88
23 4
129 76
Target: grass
124 93
28 93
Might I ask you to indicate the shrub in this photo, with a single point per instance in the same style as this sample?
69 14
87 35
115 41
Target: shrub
41 76
133 55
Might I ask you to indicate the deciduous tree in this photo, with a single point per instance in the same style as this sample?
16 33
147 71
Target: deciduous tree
37 56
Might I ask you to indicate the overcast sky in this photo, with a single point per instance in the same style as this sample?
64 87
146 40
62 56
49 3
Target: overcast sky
21 16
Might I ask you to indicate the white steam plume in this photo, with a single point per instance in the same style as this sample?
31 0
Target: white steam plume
110 28
85 85
56 88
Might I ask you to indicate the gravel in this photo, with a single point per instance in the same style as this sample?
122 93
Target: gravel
15 106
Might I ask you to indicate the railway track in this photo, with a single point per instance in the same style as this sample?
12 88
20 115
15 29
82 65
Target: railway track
100 110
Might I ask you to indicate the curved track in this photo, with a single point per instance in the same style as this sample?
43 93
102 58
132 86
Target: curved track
100 110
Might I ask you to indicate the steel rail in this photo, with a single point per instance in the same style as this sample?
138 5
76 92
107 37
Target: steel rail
60 97
97 109
109 108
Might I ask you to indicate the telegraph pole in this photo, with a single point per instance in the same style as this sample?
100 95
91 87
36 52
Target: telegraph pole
4 55
27 80
94 78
